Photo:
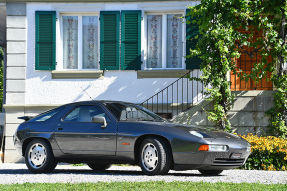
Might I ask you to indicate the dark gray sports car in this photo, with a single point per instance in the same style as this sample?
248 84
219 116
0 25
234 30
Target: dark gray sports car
101 133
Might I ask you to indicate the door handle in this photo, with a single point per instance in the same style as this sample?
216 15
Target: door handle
60 127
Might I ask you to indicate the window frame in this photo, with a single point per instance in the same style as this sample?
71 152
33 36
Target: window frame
41 115
80 42
164 40
108 120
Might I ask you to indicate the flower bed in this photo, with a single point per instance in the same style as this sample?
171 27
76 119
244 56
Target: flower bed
268 153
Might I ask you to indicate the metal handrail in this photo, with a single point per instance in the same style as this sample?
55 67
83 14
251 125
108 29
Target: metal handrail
176 97
170 101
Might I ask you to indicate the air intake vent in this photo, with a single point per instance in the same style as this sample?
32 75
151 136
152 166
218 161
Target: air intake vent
228 162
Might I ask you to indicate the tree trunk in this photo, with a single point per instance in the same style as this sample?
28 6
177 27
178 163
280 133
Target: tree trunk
224 105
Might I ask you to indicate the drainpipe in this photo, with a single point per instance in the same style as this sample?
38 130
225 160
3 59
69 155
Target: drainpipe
4 77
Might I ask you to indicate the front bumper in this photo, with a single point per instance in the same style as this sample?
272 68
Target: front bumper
186 155
207 160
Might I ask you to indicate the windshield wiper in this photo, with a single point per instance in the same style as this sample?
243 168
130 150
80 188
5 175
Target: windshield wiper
143 119
156 120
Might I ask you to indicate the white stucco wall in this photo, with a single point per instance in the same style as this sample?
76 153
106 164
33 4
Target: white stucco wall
30 92
121 86
116 85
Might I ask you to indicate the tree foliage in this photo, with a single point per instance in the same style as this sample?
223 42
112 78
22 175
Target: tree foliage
221 42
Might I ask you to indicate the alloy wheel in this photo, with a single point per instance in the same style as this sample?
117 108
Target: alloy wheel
37 155
149 157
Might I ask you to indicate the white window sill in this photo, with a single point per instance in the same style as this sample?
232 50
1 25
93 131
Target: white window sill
160 73
77 74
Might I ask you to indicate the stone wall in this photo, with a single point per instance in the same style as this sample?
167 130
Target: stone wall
246 116
16 74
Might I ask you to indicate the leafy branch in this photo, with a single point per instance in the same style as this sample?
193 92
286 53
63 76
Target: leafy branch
226 28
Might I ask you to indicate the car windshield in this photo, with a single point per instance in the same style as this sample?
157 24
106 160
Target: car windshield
132 112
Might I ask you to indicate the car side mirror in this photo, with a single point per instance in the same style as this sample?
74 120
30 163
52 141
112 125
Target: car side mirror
100 119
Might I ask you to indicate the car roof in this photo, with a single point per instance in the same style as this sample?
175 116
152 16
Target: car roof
97 101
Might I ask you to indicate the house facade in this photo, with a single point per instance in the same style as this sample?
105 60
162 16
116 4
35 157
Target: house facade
59 52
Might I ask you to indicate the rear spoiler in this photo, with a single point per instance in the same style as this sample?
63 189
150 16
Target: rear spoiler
26 118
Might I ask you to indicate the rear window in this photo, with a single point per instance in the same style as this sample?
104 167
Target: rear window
47 115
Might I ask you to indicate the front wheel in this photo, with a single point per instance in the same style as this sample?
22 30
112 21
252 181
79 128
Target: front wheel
39 157
210 172
155 156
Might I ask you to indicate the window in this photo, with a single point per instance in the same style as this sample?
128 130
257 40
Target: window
132 112
47 115
80 41
164 41
84 114
154 41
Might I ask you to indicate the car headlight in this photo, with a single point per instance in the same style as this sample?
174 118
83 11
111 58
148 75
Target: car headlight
248 149
213 148
196 134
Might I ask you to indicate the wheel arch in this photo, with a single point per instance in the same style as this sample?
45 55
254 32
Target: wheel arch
28 140
142 138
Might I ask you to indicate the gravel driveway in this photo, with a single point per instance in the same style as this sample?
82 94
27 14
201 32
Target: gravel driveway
18 173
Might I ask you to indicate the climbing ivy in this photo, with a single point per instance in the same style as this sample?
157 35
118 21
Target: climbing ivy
220 44
277 114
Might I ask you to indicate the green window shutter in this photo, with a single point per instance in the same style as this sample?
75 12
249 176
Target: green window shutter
131 40
45 50
192 29
109 37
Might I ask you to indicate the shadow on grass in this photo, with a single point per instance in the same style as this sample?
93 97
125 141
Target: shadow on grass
102 173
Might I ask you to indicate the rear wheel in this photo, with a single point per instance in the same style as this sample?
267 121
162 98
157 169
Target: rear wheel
155 156
39 157
98 166
210 172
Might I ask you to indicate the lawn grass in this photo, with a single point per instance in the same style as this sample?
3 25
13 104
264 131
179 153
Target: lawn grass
157 185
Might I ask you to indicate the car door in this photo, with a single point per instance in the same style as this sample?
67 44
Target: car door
77 134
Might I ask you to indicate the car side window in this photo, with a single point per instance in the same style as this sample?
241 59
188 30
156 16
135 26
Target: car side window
46 116
84 114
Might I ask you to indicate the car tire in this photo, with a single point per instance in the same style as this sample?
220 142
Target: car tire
155 156
99 166
39 157
210 172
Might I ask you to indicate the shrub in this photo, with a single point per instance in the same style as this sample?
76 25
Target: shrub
268 153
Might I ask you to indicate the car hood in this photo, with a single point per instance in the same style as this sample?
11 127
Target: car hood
206 132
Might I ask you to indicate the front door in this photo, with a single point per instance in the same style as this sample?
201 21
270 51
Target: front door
77 134
245 64
249 57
